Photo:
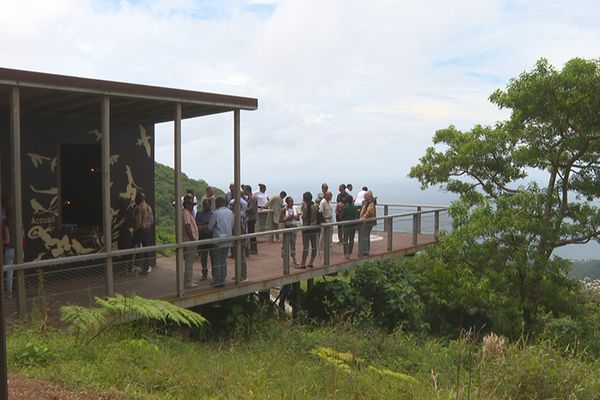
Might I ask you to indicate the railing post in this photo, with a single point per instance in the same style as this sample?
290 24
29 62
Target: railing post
286 253
415 229
436 223
386 212
388 223
236 194
361 235
419 208
179 262
327 232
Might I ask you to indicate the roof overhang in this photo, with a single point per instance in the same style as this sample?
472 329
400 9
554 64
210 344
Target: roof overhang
60 96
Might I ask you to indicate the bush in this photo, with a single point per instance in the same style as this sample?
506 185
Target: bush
331 300
389 289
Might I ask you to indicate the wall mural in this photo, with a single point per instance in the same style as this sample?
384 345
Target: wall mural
46 238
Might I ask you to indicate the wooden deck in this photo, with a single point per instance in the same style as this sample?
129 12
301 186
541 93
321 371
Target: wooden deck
265 271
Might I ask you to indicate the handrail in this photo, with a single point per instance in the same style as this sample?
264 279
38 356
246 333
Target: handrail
161 247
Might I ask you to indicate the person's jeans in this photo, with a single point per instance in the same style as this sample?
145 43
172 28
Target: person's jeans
142 237
219 269
349 233
189 256
251 229
309 236
367 239
9 259
292 245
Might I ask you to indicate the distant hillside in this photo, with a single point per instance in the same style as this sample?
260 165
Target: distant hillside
588 268
165 214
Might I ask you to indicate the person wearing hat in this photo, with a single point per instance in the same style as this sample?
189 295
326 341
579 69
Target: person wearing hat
190 234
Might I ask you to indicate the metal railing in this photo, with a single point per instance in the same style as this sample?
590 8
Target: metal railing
87 273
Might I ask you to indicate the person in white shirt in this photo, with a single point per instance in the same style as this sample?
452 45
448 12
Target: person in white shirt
327 212
360 197
261 195
349 190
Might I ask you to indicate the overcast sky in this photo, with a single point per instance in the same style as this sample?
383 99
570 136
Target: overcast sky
347 90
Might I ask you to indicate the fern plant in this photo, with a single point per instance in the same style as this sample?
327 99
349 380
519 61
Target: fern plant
90 322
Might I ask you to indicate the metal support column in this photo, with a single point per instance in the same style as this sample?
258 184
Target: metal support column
178 204
15 130
386 212
286 253
415 229
389 222
436 223
236 194
327 232
3 367
106 214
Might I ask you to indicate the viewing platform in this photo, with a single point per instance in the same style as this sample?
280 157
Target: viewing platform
78 280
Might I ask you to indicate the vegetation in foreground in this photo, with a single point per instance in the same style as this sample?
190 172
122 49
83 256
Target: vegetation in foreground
285 361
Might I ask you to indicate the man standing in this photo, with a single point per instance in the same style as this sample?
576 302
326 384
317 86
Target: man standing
360 197
143 220
203 217
276 204
251 218
221 224
190 234
340 200
321 194
210 195
327 213
261 195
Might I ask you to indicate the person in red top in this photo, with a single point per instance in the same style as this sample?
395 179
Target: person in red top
190 234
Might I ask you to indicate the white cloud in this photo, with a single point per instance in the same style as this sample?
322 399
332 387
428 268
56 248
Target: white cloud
347 89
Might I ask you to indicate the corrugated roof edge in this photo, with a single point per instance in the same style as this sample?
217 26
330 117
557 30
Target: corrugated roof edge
16 77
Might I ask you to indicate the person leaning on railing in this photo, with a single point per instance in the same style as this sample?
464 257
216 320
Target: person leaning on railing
367 211
310 212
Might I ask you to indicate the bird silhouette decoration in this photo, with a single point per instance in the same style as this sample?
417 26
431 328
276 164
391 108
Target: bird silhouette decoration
144 140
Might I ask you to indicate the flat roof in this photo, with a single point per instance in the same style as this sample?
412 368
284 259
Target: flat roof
61 96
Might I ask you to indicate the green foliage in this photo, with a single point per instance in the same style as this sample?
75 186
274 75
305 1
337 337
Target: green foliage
388 288
333 299
90 322
504 221
585 269
33 354
277 362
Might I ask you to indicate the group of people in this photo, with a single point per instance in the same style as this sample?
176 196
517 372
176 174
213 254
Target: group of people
213 217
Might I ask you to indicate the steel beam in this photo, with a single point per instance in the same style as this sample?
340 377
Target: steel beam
17 194
236 193
178 202
106 214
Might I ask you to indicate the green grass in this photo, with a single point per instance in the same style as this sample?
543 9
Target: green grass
276 362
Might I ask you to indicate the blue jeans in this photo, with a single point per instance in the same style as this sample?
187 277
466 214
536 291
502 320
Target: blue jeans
367 239
9 259
219 268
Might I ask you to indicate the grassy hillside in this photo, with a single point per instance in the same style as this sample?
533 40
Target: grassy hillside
164 177
585 269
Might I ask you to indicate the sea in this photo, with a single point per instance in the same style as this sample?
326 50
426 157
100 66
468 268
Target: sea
409 193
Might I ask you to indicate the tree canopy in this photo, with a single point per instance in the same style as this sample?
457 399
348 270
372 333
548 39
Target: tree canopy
527 185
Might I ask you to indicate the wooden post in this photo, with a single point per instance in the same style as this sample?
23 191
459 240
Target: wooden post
237 207
106 214
15 130
419 208
436 223
178 203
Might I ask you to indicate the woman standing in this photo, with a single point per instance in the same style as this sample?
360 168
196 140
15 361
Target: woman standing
289 218
367 211
310 213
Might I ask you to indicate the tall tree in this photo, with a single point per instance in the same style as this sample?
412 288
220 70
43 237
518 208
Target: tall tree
527 185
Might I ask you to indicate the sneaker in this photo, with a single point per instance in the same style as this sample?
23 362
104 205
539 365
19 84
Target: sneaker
204 277
191 285
217 284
